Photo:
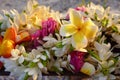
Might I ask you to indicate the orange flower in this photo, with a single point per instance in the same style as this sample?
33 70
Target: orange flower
8 42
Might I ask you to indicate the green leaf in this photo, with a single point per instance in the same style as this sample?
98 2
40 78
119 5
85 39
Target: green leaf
71 48
25 63
104 22
45 54
115 60
86 13
44 62
35 6
55 69
114 28
25 54
0 24
96 16
26 76
32 64
93 54
105 71
9 16
59 45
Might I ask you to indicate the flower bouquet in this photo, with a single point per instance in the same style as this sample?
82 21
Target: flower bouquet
37 41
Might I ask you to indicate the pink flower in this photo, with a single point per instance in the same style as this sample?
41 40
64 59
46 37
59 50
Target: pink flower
77 60
81 9
48 27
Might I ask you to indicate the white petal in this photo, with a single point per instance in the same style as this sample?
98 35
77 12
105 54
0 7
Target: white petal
35 60
48 53
15 52
88 69
64 64
22 49
40 65
43 57
21 59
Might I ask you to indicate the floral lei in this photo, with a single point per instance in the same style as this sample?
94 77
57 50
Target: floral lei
86 39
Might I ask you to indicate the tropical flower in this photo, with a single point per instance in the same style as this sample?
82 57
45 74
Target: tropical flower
41 42
77 60
8 42
48 27
81 29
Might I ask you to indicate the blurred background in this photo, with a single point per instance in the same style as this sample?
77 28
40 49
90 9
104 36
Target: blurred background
60 5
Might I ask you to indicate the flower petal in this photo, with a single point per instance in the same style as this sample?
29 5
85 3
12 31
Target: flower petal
1 39
10 34
68 29
75 17
21 59
90 29
88 69
79 40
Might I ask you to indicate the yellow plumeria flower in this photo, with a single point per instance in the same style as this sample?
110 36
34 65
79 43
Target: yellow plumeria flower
81 29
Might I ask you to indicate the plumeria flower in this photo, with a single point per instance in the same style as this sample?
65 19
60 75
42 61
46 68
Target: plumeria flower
80 29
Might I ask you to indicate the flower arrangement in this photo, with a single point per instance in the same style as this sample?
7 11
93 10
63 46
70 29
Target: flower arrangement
39 40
